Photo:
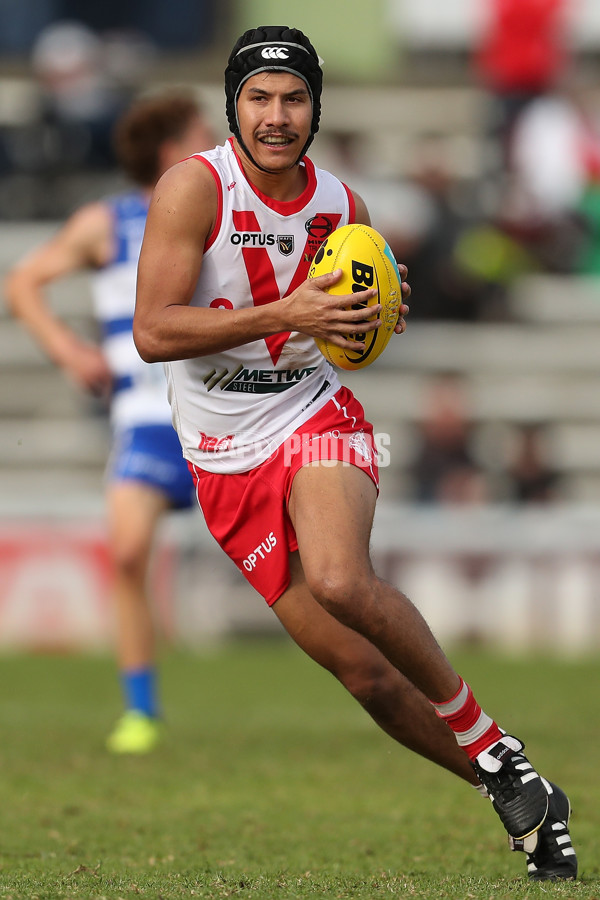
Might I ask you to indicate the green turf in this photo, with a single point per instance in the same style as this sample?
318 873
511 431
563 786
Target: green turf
272 784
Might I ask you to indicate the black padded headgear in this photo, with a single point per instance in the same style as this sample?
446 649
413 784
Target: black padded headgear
273 48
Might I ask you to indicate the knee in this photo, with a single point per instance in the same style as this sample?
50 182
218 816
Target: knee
333 586
347 594
372 683
129 560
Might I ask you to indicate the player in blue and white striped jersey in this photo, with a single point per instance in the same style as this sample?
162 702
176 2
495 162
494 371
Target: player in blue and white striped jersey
146 472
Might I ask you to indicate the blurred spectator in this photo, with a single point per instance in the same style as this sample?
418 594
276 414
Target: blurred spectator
531 479
396 207
56 148
521 55
444 469
423 217
588 260
493 257
444 288
80 101
554 166
128 59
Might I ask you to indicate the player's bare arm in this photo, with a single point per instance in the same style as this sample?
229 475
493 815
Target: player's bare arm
84 242
181 218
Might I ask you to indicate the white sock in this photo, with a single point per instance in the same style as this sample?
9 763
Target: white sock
481 789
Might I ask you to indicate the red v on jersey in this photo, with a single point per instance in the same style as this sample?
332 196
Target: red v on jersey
261 274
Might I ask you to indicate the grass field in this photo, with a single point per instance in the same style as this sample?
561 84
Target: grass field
272 783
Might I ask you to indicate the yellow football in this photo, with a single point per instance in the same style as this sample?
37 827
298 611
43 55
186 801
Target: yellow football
366 261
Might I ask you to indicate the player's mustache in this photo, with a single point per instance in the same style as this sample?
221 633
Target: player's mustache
277 132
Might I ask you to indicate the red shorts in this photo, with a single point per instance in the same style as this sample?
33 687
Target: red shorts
247 512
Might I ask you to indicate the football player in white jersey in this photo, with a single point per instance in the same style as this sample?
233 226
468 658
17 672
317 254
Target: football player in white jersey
147 474
282 456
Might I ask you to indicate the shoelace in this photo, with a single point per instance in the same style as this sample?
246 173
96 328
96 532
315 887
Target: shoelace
507 779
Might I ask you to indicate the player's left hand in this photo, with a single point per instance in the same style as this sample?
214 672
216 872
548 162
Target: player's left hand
404 309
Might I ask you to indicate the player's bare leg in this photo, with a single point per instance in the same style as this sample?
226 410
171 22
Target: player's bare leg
391 700
134 510
407 716
331 507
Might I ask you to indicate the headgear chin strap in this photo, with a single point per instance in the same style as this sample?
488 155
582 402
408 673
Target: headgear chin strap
273 48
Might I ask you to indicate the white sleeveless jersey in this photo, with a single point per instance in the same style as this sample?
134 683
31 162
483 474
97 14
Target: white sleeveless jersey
139 388
233 409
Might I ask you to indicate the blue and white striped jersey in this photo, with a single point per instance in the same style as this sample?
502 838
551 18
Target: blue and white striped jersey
140 391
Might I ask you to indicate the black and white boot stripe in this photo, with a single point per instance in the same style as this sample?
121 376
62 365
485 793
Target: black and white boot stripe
550 852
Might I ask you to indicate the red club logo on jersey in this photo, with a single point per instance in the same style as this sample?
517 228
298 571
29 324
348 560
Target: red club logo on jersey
319 227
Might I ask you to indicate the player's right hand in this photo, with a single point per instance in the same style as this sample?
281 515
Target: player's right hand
87 366
311 310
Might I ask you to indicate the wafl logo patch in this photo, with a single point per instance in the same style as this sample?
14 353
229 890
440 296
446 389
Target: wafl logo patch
285 242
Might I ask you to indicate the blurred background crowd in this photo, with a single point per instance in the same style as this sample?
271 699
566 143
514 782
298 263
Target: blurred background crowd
473 200
472 130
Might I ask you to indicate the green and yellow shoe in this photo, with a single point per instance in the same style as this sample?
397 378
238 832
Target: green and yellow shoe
135 732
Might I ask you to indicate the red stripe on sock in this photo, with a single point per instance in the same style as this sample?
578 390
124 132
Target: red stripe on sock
486 740
464 719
